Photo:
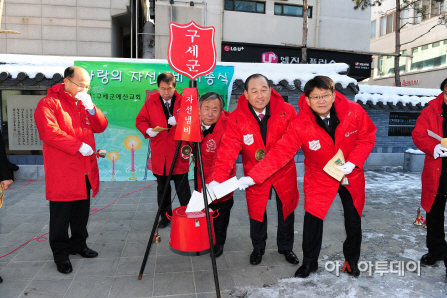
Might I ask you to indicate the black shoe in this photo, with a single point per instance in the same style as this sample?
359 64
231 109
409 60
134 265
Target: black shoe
218 250
164 222
86 253
1 279
256 256
64 267
430 259
290 257
305 270
355 272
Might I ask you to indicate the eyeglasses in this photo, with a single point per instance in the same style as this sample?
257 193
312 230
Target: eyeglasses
325 97
79 86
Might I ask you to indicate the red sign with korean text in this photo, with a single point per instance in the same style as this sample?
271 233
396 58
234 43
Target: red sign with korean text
191 50
188 122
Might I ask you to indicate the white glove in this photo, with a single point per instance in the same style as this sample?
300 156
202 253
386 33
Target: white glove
438 151
86 100
171 121
151 133
86 150
348 167
245 182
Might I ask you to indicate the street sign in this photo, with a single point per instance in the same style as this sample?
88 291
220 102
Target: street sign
191 49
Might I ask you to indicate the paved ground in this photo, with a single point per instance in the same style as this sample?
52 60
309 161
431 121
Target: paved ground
120 233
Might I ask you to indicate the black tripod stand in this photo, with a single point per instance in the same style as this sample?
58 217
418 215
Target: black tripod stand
192 84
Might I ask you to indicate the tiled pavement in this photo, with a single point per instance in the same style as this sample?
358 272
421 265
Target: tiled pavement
120 234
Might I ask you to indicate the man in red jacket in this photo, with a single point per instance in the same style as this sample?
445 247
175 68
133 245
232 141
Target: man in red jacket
326 122
160 110
434 174
259 121
214 121
66 119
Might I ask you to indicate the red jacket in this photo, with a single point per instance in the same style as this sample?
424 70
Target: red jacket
355 136
63 126
163 145
431 119
243 133
209 146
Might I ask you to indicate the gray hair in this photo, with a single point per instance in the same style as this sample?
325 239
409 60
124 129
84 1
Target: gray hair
211 96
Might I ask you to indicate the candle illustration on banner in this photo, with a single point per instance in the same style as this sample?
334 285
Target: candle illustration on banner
132 143
113 156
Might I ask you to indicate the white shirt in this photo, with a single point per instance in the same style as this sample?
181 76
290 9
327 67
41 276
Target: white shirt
257 114
206 126
328 117
169 101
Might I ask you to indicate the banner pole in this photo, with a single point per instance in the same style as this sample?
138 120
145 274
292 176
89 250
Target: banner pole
154 227
193 84
208 221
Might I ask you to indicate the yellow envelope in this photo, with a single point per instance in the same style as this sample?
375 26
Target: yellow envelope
159 129
331 167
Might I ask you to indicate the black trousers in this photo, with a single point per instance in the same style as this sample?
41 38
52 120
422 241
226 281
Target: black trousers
73 214
221 222
435 225
313 232
284 234
183 191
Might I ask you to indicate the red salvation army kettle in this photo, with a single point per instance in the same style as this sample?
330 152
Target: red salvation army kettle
189 231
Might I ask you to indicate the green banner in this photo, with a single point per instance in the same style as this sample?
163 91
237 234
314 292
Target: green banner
119 90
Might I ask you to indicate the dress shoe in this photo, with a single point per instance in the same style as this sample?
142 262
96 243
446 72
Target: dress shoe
355 272
64 267
164 222
305 270
430 259
256 256
290 257
86 253
218 250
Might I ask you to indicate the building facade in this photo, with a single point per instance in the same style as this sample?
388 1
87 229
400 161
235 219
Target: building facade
99 28
423 36
244 30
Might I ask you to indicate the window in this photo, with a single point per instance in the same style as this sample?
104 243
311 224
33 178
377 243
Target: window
386 64
390 23
246 6
382 26
404 17
387 24
373 29
426 9
430 55
291 10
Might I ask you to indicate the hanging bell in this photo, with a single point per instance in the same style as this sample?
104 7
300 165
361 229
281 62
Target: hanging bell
186 150
157 238
101 153
418 221
259 154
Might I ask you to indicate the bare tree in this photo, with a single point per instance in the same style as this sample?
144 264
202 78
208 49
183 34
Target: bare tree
401 5
305 29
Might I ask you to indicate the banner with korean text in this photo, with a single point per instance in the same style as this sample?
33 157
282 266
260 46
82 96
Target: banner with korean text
119 90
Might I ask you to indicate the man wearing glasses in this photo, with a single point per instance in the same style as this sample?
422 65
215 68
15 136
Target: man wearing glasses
66 119
160 111
326 122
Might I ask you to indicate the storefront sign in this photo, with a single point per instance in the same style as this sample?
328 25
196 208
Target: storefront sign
359 64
